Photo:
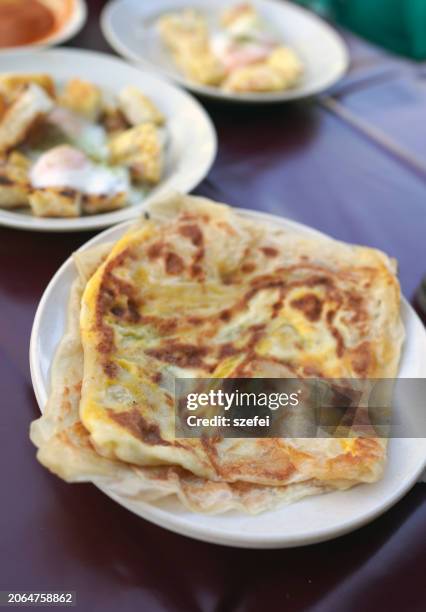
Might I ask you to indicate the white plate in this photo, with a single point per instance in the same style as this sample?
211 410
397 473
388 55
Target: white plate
311 520
191 136
129 27
70 28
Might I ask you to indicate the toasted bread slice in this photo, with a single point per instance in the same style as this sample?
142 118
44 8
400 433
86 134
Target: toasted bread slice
187 28
19 163
186 34
96 203
202 67
12 84
14 186
286 62
55 202
138 108
32 104
258 77
281 70
82 97
140 149
12 193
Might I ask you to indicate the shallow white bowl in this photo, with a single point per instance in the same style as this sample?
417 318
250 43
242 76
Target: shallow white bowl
192 142
311 520
130 28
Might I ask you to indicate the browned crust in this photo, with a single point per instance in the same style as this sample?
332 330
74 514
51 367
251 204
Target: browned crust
193 232
173 263
274 465
138 426
269 251
110 289
196 355
180 354
310 305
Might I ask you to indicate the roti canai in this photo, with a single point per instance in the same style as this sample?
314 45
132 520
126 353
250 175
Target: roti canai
199 290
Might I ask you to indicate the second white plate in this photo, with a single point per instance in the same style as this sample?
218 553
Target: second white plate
313 519
192 142
130 28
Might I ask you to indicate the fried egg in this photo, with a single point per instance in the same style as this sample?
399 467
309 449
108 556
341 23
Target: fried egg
66 166
234 54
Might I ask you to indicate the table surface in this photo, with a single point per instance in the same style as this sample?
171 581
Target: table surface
297 160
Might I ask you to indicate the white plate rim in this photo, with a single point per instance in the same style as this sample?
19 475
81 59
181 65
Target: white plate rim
211 92
17 220
68 31
180 525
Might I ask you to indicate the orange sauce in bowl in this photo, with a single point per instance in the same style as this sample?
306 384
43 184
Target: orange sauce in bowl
23 22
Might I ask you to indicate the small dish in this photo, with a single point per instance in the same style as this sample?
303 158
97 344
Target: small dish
69 17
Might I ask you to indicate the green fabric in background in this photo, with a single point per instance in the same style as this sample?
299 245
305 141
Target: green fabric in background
398 25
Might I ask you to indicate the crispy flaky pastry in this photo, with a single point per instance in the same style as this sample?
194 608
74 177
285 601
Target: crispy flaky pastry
64 445
199 291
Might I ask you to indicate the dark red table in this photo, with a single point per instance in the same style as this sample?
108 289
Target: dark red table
296 160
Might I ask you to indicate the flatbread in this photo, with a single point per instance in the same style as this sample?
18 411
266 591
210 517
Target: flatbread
64 445
109 418
197 290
